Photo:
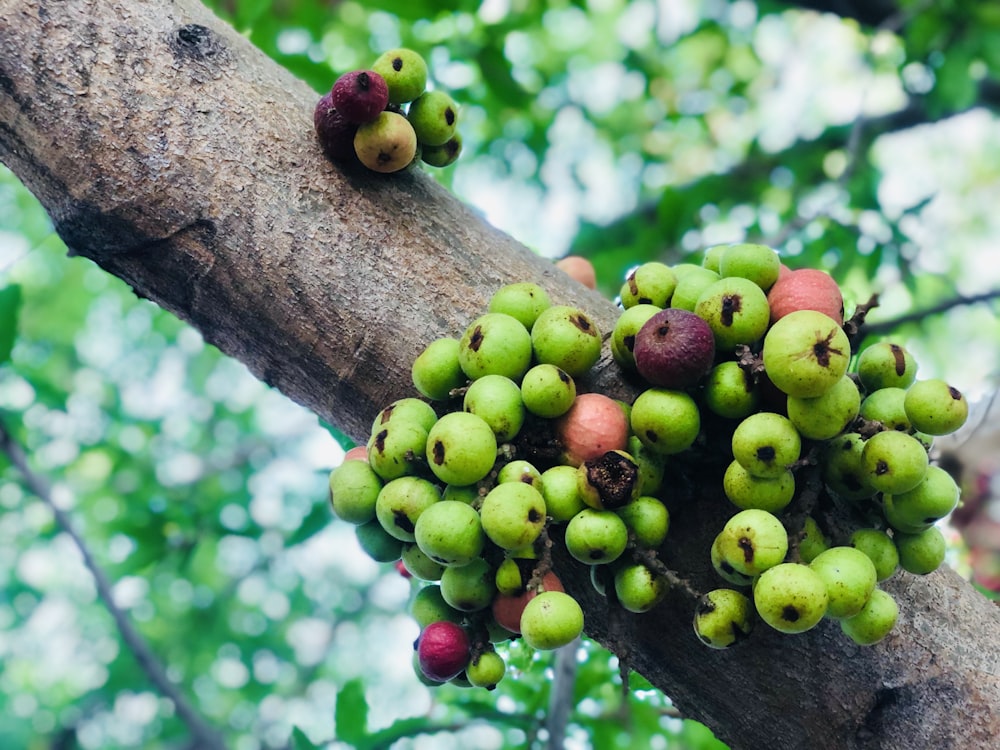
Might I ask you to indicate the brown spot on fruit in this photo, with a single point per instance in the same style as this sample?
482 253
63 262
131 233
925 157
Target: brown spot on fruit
629 342
437 452
766 453
789 613
731 305
633 286
402 521
954 393
449 116
899 357
614 476
564 376
534 516
397 64
581 322
747 546
380 440
881 468
476 339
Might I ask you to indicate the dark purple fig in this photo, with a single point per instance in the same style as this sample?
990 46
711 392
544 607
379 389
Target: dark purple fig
360 95
674 349
335 133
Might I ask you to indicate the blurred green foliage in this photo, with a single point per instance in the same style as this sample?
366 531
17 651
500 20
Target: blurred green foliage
622 131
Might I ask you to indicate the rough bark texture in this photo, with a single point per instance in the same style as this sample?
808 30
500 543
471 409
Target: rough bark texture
178 158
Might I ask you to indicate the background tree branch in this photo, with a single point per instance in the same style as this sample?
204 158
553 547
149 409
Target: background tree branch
177 157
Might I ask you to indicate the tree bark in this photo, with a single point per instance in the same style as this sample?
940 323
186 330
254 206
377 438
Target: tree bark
177 157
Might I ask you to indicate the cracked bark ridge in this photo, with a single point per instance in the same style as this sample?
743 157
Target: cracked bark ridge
176 156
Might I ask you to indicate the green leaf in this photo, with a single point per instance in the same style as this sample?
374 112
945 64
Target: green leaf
301 742
10 307
351 713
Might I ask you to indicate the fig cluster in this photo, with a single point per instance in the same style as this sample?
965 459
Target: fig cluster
503 452
387 118
766 350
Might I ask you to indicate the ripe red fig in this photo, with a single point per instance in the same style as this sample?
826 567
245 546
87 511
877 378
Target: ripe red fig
335 132
360 95
443 650
674 349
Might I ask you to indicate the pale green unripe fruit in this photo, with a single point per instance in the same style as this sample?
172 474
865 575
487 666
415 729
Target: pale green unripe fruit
548 391
813 541
436 371
377 543
561 490
551 620
651 283
497 400
880 548
461 448
826 416
522 300
666 421
886 365
730 392
753 541
419 565
434 117
520 471
844 472
354 487
513 515
935 407
886 406
725 570
894 462
495 344
790 597
639 589
766 444
397 449
596 537
465 493
511 577
449 532
850 577
405 74
387 143
931 500
428 605
805 353
758 263
469 588
486 670
736 310
745 490
690 286
921 553
711 257
566 337
648 519
400 503
722 618
406 410
623 335
875 620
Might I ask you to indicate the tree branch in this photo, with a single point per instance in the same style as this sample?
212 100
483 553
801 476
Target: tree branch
886 326
204 737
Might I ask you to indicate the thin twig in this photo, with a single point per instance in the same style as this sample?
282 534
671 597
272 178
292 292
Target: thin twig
204 737
917 315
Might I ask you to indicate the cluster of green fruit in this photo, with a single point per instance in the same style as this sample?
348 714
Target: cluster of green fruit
463 484
765 348
387 118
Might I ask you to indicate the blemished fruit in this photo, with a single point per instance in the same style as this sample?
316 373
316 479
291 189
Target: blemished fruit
729 391
486 670
567 337
886 365
638 588
547 391
405 74
387 143
461 448
850 578
495 344
434 117
673 348
736 311
790 597
450 533
334 131
524 301
651 283
893 461
360 95
444 155
828 415
805 353
666 421
513 514
723 618
753 541
934 407
766 444
596 537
